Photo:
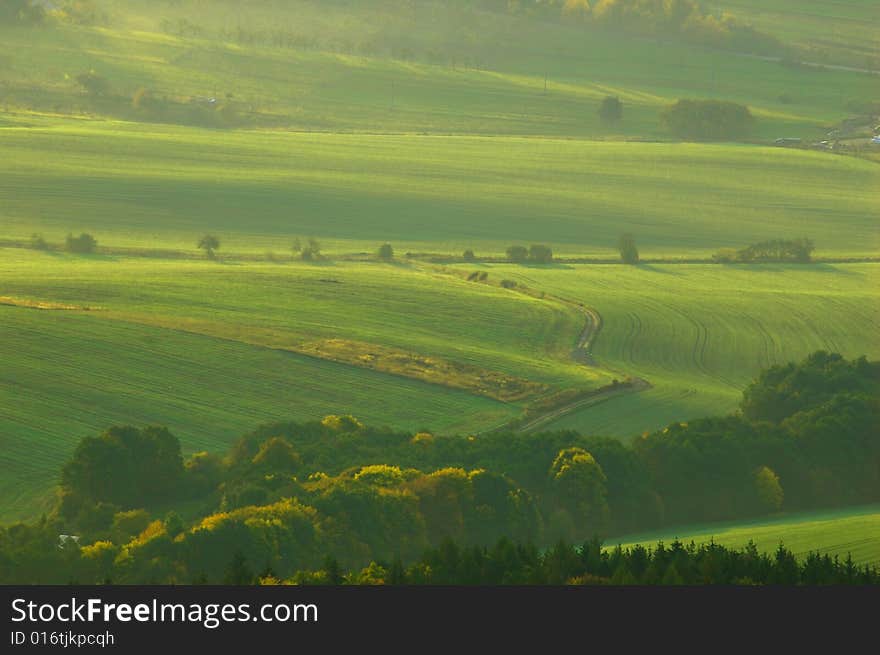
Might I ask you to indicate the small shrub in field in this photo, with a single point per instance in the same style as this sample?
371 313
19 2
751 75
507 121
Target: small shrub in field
468 255
38 242
508 284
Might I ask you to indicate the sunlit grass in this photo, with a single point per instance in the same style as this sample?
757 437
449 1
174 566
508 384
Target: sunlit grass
701 333
153 186
838 533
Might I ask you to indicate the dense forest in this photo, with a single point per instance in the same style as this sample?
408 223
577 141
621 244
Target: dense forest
289 495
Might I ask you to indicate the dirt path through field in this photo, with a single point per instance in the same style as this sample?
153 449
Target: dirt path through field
583 354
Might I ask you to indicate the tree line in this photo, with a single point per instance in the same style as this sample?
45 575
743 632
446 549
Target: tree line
776 250
288 494
510 563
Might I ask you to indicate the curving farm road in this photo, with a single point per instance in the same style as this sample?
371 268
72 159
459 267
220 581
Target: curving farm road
583 355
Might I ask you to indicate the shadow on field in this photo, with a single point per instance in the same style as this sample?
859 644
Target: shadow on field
549 267
91 257
782 268
650 268
829 268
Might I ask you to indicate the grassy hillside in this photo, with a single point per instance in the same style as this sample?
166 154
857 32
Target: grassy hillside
152 186
845 532
387 69
298 306
67 375
212 350
699 333
155 336
833 32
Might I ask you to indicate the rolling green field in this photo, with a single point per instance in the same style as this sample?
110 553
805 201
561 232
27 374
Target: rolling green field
156 336
700 333
854 531
212 350
155 187
830 32
412 72
68 375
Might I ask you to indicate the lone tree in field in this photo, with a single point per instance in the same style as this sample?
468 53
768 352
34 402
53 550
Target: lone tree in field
386 252
518 254
297 245
312 251
83 244
611 109
209 243
629 254
468 255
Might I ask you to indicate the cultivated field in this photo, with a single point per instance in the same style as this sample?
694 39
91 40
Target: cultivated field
351 69
842 33
163 187
854 531
699 333
212 349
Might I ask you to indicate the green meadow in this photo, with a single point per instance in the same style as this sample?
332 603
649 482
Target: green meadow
357 69
700 333
163 187
842 33
854 531
212 349
67 375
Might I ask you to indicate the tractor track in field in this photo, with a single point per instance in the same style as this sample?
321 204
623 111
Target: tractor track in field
600 396
582 354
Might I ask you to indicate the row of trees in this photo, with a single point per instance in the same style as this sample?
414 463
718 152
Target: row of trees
209 243
685 19
776 250
535 254
541 254
83 244
509 563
